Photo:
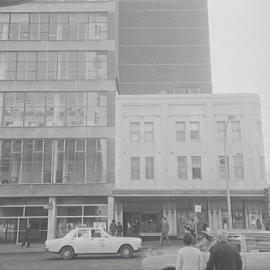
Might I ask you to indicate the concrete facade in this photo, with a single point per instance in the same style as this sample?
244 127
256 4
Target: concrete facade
164 47
186 165
76 86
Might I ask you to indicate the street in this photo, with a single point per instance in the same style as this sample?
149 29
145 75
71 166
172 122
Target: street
46 261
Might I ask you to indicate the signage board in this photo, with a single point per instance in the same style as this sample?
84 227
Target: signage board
198 208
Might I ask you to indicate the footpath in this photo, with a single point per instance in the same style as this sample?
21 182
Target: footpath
149 248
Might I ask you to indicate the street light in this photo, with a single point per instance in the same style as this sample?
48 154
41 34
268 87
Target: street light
228 192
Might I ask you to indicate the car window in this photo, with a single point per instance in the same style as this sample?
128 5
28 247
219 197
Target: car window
82 233
259 243
96 233
234 240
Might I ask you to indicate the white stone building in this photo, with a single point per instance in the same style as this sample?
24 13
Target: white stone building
170 156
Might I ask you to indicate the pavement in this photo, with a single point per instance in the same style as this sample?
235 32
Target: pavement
149 248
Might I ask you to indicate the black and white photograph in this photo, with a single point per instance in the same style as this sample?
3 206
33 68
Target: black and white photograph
134 134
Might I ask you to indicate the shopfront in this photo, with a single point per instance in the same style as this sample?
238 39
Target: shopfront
14 220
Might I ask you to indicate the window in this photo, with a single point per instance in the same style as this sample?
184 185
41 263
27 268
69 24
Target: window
4 26
149 167
135 168
221 127
64 65
238 166
135 131
57 108
262 166
182 167
222 168
236 131
195 131
196 167
148 131
180 131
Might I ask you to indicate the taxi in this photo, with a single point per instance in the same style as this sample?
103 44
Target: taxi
93 241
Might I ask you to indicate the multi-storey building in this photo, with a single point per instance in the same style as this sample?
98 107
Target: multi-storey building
164 47
58 64
171 154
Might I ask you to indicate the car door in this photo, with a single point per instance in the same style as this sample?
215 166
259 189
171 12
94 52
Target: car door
257 252
81 241
98 241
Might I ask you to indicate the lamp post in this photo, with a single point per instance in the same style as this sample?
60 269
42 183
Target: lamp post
228 191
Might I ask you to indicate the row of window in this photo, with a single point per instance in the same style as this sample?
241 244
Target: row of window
53 26
61 65
53 161
32 109
187 130
182 167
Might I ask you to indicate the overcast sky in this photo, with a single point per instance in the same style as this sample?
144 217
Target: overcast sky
240 52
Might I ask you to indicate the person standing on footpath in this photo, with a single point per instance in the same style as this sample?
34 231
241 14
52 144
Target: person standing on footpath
27 237
113 228
164 231
119 229
189 257
224 256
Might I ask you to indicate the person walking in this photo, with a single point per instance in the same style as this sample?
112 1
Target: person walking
130 231
164 231
113 228
27 237
192 229
119 229
189 257
224 256
258 224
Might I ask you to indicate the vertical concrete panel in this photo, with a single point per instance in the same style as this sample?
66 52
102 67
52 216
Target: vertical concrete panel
52 218
110 210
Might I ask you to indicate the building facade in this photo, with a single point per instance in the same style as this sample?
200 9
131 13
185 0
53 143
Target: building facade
164 47
170 156
58 63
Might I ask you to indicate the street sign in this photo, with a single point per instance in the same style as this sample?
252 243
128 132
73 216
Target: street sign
198 208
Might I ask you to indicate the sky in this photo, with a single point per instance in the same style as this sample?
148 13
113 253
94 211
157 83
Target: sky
240 52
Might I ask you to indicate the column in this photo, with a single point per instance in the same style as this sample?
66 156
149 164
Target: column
52 218
110 210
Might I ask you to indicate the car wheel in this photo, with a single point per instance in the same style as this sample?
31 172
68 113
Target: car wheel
67 253
126 251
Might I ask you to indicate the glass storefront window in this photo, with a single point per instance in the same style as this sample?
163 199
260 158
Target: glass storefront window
11 211
95 210
36 211
69 210
8 230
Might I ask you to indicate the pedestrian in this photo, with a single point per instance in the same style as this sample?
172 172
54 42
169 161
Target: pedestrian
189 257
119 229
192 229
130 231
225 225
113 228
27 237
258 224
224 256
136 228
164 231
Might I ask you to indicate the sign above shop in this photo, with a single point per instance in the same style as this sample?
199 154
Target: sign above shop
198 208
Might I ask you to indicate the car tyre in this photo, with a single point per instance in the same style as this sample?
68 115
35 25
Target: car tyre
126 251
67 253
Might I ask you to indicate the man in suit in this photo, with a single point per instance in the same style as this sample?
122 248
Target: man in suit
224 256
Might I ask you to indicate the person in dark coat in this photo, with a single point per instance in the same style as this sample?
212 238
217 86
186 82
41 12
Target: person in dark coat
119 229
113 227
224 256
258 224
27 237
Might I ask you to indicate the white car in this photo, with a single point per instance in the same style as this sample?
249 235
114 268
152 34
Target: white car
253 245
93 241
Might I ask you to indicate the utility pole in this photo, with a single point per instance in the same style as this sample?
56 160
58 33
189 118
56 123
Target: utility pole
228 191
